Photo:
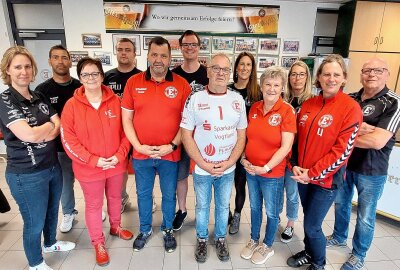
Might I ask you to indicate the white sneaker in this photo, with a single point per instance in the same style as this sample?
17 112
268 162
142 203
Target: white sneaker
42 266
66 222
59 246
103 215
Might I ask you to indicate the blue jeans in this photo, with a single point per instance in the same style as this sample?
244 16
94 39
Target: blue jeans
292 196
67 195
271 190
222 193
145 173
38 197
369 190
316 202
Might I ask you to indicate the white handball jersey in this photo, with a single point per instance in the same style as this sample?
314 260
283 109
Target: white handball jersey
215 120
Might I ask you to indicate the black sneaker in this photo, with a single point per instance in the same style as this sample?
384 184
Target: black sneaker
287 235
201 250
169 240
299 259
141 240
230 217
234 224
222 249
178 220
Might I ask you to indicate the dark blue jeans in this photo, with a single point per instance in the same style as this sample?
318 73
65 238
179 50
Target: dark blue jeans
145 173
38 197
316 202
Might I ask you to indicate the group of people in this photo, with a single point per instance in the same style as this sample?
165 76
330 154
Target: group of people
274 135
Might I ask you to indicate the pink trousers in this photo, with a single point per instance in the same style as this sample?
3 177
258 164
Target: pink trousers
93 193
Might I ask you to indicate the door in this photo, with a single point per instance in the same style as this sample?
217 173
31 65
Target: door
366 26
390 31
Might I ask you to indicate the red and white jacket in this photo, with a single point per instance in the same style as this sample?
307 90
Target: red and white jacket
88 134
327 130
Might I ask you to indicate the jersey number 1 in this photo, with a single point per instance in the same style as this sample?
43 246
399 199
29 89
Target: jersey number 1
221 116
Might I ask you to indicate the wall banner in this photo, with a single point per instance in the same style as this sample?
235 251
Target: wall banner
155 17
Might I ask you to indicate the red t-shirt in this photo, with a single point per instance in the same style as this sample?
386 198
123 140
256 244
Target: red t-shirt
157 109
264 134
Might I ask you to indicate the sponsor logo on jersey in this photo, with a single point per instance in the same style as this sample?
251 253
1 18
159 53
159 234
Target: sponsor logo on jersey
236 105
141 90
171 92
206 125
110 114
203 106
275 119
209 150
53 100
44 108
325 121
303 120
368 110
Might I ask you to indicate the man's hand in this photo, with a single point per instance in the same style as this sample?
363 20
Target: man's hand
365 129
301 175
148 150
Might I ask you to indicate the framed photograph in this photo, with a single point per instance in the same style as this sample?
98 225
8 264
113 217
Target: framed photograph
146 41
91 40
174 43
175 62
266 61
269 46
204 60
134 38
246 44
287 61
104 57
77 55
291 46
223 45
205 45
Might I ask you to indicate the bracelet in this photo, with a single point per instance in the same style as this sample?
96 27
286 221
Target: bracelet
267 168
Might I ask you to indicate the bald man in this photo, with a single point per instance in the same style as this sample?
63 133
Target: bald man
368 165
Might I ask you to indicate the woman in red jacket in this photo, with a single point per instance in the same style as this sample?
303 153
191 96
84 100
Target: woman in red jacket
327 126
93 138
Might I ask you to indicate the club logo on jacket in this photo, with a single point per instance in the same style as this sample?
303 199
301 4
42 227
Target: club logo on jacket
44 108
171 92
236 105
325 121
275 119
368 110
110 114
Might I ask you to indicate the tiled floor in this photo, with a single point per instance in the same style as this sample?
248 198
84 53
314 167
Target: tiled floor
383 255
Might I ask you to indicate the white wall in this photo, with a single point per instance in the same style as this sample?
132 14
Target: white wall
296 20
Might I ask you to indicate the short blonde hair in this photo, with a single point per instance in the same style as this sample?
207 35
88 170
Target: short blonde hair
9 55
332 58
275 72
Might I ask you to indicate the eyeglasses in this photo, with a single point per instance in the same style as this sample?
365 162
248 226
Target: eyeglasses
217 69
86 76
187 45
377 71
300 75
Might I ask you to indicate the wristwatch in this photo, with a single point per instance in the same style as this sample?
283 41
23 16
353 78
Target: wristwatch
174 146
267 168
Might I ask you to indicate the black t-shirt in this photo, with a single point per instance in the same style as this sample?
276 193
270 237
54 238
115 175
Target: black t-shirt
24 157
243 93
116 79
197 80
380 111
58 94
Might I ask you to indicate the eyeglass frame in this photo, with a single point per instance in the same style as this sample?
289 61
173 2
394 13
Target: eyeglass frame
187 45
367 71
94 75
300 75
217 69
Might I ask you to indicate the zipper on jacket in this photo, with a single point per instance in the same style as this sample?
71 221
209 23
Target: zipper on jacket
309 130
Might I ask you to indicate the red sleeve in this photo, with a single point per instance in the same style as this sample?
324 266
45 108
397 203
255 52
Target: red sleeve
342 148
289 121
127 98
73 148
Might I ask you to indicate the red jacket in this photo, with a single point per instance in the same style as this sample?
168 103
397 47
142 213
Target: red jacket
88 134
327 129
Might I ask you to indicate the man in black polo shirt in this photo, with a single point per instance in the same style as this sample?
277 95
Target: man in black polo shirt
58 90
368 165
116 79
196 75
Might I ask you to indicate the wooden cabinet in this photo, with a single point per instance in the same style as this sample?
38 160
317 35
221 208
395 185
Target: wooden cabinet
376 27
398 84
357 59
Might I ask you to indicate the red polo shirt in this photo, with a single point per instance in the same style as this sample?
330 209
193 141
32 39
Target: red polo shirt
264 134
157 109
